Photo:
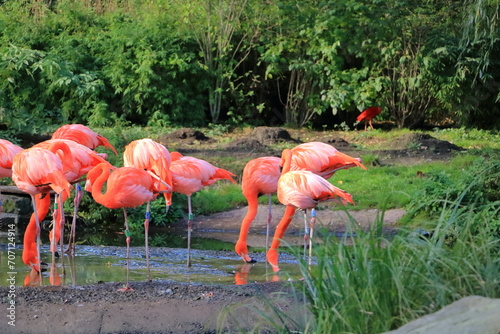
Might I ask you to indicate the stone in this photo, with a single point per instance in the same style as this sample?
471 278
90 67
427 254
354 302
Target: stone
469 315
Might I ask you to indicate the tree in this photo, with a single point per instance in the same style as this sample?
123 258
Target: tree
39 88
225 31
478 71
291 56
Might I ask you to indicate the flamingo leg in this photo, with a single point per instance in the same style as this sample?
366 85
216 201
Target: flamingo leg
146 237
189 227
241 246
72 234
55 226
127 241
61 222
269 218
311 225
38 242
306 233
272 253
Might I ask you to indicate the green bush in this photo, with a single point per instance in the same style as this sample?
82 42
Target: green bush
477 188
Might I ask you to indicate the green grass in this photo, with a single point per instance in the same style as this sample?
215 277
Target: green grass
380 187
377 285
373 284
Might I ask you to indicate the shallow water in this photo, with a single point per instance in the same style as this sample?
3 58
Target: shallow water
98 264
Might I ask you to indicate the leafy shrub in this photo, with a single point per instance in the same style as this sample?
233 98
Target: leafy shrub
477 188
378 284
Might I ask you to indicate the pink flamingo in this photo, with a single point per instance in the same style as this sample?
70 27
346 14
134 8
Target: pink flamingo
190 175
7 152
36 171
154 158
126 187
300 190
321 159
260 176
82 135
81 160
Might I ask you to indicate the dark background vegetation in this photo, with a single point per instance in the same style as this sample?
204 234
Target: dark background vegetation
206 62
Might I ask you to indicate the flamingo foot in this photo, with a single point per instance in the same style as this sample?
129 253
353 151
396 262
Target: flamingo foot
126 288
272 258
242 250
39 268
246 258
70 251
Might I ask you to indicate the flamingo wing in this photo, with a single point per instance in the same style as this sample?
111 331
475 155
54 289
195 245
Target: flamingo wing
82 135
81 161
305 190
322 159
260 176
190 174
151 156
36 169
7 152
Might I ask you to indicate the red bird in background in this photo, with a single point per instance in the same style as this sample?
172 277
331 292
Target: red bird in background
368 114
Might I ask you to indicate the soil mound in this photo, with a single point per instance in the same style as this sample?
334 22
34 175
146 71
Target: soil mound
336 142
186 135
269 135
246 144
422 141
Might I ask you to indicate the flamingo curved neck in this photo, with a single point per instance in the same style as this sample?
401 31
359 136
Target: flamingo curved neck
67 155
286 158
59 145
98 183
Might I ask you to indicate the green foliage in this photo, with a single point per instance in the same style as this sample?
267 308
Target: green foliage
475 190
97 69
219 197
477 75
470 138
398 280
165 63
39 88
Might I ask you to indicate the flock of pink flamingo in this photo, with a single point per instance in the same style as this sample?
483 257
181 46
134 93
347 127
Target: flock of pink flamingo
298 177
